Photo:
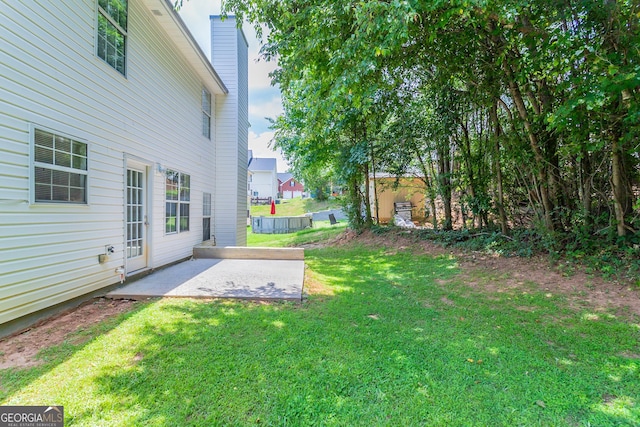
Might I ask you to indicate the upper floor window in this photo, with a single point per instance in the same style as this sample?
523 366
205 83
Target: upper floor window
206 113
112 32
59 168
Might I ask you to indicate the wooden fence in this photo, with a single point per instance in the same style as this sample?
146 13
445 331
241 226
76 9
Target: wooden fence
261 200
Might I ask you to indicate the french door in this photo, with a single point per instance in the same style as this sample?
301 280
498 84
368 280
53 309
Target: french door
136 219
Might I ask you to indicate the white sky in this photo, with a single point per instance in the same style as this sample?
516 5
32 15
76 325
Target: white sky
264 99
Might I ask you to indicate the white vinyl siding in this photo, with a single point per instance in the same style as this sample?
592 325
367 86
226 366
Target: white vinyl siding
265 183
51 78
229 57
242 123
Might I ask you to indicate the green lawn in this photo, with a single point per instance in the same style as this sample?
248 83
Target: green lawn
321 231
386 338
295 207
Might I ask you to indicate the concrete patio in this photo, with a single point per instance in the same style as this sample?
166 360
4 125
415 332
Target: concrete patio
245 273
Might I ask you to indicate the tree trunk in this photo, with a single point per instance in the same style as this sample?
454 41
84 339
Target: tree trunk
620 179
502 215
354 205
618 187
375 186
434 177
444 184
430 192
586 188
434 217
468 165
367 196
514 90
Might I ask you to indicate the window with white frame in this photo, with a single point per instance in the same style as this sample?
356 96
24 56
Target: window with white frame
177 201
112 33
206 216
59 168
206 113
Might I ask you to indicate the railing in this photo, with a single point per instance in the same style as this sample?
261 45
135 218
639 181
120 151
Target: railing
261 200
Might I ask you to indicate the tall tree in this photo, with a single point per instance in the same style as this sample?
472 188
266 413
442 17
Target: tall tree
499 104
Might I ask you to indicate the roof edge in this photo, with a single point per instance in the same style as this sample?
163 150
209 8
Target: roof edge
193 44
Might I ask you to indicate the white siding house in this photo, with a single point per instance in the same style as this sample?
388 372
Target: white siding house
264 177
229 56
115 131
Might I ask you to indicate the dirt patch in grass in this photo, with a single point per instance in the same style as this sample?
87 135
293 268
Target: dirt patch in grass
447 301
513 274
582 290
20 350
313 285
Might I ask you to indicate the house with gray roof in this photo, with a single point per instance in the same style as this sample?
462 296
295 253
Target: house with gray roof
264 177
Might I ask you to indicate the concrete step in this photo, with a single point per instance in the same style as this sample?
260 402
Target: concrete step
241 252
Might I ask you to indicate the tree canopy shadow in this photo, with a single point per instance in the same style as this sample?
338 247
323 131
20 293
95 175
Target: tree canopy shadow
399 342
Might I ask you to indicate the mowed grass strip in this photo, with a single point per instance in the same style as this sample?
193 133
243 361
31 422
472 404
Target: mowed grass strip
388 338
295 207
321 232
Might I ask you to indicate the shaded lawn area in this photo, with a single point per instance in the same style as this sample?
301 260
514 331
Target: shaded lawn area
386 338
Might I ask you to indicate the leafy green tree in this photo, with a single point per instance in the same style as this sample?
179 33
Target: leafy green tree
509 108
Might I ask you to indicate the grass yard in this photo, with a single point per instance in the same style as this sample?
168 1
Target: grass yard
388 337
295 207
321 231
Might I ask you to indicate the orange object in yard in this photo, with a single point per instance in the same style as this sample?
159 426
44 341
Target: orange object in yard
273 207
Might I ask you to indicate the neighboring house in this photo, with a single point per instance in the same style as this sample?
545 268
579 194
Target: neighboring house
288 187
389 190
264 177
121 146
249 179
